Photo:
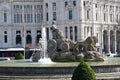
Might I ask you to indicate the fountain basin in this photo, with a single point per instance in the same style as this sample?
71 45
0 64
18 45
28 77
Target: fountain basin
28 68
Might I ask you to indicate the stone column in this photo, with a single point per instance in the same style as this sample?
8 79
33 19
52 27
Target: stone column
101 39
108 50
89 32
85 32
81 23
115 41
68 34
93 19
73 27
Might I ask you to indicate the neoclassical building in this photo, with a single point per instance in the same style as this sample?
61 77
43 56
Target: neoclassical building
22 20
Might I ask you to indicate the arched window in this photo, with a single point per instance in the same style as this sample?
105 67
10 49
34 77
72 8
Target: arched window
74 3
70 14
66 32
75 30
28 38
18 39
38 36
66 3
71 32
47 30
5 37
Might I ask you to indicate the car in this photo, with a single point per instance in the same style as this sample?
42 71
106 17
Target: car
4 58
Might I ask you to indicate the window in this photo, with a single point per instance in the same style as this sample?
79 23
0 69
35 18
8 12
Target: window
18 32
17 13
47 30
117 8
85 31
17 18
18 37
17 7
111 17
104 16
28 38
96 5
88 31
96 16
54 16
27 7
117 17
70 14
88 14
5 32
66 32
75 30
47 17
38 36
54 6
74 3
84 3
104 6
5 36
5 17
66 3
71 33
110 7
28 18
37 18
46 5
37 7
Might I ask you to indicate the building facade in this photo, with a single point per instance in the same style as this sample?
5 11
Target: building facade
22 20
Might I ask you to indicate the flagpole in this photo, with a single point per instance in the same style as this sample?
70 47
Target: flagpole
24 38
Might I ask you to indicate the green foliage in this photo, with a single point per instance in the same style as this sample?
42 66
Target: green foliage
19 56
83 72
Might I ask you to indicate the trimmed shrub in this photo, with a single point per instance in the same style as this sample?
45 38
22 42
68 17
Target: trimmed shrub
19 56
83 72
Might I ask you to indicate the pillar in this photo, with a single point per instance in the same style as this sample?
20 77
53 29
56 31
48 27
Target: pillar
115 41
101 39
108 46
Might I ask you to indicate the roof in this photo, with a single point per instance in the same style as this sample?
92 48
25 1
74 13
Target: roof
17 49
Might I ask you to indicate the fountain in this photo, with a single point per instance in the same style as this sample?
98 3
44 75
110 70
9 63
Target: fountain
60 50
42 56
43 45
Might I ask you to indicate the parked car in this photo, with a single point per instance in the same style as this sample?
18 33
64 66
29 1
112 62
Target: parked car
4 58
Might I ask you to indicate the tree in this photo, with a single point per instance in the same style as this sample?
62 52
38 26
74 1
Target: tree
83 72
19 56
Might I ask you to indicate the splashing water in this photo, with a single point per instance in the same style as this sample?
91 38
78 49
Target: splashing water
43 45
